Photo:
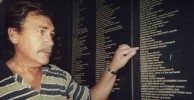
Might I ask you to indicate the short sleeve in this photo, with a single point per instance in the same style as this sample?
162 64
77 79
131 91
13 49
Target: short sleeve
78 92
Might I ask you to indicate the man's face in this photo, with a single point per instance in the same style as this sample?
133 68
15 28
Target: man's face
35 40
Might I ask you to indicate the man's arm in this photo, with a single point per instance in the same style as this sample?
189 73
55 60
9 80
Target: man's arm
103 88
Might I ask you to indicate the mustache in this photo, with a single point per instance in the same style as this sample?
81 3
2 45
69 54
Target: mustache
46 50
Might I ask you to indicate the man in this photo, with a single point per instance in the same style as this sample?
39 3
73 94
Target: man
27 74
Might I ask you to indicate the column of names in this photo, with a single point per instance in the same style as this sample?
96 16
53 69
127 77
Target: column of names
155 81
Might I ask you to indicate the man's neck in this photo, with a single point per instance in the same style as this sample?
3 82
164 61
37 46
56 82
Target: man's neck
23 68
31 74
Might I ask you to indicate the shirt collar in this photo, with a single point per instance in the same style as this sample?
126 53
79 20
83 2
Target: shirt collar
45 69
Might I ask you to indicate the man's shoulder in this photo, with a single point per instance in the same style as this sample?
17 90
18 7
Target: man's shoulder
56 69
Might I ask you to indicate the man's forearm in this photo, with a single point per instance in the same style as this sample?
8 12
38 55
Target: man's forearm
103 88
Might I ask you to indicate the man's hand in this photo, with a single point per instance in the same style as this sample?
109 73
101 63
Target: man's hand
121 57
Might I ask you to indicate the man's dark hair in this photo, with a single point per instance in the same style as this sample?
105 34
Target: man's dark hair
16 15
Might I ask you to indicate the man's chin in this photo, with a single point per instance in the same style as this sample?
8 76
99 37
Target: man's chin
44 62
44 59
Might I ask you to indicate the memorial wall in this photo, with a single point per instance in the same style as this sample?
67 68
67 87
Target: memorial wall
163 29
166 45
83 44
98 27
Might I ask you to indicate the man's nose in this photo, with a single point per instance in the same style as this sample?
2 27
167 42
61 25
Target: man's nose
50 41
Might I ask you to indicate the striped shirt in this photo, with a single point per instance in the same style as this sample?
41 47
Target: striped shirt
56 84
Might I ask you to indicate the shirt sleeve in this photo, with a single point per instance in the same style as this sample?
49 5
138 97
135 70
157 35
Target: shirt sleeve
78 92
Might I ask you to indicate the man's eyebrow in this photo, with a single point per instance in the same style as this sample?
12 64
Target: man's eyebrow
43 27
46 28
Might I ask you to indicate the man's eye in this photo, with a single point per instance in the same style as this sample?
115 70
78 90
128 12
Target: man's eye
42 32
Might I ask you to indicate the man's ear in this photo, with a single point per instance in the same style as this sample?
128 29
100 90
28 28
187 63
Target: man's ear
13 35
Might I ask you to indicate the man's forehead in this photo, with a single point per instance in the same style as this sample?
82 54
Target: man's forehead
40 21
